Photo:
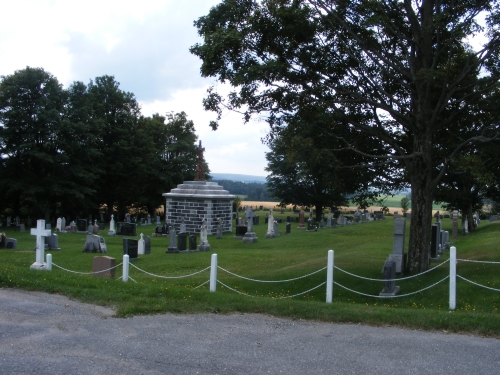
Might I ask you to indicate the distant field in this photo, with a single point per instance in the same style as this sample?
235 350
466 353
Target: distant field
393 203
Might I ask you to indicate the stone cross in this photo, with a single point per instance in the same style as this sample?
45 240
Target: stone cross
200 170
40 232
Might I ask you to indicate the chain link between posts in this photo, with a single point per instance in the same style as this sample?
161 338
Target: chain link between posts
384 280
285 297
86 273
480 285
169 277
271 281
395 296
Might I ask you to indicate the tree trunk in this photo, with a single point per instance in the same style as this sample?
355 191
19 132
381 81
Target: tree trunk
319 211
420 228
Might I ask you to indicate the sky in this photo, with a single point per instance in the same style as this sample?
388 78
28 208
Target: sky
145 46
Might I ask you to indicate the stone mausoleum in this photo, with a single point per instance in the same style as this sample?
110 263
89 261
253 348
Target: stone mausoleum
194 201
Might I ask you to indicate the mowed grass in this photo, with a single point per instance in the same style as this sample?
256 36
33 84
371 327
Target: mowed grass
359 249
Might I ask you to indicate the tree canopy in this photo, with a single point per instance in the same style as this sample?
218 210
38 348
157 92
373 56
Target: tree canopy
403 72
73 152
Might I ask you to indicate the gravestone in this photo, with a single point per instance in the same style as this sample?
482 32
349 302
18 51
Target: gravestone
112 231
301 220
204 245
48 226
182 241
90 229
147 245
329 220
95 228
219 228
276 229
250 236
131 248
192 242
40 232
390 288
398 248
52 241
270 225
172 245
446 239
22 228
158 220
8 243
140 245
240 231
59 226
287 228
104 266
9 221
127 229
81 226
63 224
454 231
94 244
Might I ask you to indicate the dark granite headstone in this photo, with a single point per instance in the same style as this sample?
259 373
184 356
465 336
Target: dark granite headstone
192 242
287 228
241 230
130 247
81 225
126 229
182 241
147 245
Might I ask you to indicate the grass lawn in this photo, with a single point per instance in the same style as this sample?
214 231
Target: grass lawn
359 249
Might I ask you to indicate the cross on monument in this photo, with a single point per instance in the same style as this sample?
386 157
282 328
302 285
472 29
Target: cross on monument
200 170
40 232
249 215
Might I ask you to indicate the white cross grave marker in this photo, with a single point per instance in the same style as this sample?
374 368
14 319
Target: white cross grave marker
40 232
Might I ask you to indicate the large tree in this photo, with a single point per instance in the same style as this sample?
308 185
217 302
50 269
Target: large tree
306 170
33 178
405 67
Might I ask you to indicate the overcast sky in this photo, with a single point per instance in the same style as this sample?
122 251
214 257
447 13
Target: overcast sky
145 46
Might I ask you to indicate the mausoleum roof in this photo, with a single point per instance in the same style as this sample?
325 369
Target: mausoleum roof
199 190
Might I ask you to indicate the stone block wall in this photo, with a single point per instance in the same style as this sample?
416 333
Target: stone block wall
195 210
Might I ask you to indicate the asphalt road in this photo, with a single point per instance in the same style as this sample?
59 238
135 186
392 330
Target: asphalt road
50 334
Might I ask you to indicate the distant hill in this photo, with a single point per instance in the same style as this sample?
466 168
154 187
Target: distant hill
238 177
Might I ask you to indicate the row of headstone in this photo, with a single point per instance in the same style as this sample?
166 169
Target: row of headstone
133 248
178 242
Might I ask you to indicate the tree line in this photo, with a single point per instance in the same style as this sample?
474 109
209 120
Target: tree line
368 93
86 149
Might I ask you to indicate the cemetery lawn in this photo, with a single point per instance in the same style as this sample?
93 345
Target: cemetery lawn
359 249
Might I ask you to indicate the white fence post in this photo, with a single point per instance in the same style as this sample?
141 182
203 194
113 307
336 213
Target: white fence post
213 273
125 267
453 278
48 267
329 277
